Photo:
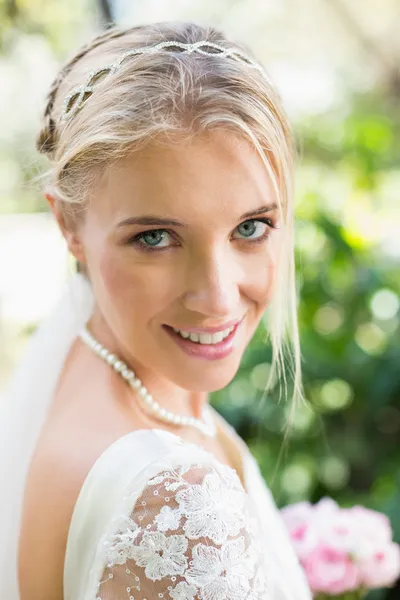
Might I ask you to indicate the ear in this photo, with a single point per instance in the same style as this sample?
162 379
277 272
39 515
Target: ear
67 226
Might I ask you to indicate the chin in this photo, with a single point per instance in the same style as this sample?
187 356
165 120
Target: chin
206 381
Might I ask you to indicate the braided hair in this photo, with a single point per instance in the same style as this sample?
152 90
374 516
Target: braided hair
47 138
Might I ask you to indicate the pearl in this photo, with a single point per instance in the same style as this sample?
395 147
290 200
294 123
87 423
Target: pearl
206 425
143 391
111 359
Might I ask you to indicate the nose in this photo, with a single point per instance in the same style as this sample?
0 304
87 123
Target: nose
213 284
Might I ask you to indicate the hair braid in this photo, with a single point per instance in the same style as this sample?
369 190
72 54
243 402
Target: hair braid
47 138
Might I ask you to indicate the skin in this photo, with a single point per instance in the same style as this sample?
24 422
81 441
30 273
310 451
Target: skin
208 272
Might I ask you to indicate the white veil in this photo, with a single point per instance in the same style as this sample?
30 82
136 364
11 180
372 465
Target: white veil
23 411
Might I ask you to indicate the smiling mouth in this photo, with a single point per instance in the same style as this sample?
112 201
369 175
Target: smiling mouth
205 338
205 345
194 333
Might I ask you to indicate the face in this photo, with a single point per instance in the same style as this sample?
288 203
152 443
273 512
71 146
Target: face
184 236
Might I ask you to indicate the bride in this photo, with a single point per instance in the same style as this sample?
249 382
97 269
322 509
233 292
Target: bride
170 179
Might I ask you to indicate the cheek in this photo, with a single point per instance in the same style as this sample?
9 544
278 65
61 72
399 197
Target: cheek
261 276
115 285
117 279
265 285
122 284
133 287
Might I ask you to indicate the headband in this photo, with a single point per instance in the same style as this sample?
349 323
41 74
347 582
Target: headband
79 94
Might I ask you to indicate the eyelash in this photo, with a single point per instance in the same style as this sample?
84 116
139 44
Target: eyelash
136 240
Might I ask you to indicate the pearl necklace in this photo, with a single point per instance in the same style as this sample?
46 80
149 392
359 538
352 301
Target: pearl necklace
206 425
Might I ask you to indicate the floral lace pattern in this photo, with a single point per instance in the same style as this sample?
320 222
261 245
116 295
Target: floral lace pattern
189 537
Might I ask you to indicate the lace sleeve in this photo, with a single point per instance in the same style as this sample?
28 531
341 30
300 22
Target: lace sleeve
188 536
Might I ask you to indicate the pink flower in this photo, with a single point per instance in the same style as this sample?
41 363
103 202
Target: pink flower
342 549
298 519
295 514
382 567
335 525
325 507
331 571
338 530
373 526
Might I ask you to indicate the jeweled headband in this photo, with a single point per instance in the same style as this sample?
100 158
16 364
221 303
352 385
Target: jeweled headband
79 94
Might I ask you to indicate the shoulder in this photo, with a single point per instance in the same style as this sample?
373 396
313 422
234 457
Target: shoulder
185 513
56 474
62 461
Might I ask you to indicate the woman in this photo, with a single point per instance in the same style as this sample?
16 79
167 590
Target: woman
170 179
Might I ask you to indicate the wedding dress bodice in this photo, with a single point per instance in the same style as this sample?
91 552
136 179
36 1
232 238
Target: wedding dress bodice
161 518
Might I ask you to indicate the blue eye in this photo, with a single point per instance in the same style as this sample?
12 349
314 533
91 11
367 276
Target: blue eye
152 239
253 226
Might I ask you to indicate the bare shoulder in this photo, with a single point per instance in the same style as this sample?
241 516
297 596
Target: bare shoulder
67 450
61 462
53 484
83 422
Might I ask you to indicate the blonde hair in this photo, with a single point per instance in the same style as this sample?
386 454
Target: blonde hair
166 93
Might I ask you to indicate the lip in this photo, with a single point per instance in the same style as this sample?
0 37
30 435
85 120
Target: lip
205 351
209 329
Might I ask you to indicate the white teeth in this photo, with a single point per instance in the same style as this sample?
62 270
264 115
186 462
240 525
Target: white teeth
205 338
218 337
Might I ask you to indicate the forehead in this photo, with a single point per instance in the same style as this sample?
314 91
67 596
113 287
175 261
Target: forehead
216 172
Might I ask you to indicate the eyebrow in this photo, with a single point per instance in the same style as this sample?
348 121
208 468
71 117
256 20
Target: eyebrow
155 220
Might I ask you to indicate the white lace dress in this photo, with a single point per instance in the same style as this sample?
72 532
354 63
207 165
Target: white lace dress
160 518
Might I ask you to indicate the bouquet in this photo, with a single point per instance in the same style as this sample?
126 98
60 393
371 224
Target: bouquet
344 551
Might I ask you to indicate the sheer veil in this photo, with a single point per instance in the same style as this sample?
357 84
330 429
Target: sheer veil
23 411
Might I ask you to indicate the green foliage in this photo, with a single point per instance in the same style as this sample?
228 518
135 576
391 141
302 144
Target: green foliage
344 441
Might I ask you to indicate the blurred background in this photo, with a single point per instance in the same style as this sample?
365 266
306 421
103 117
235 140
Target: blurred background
336 65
